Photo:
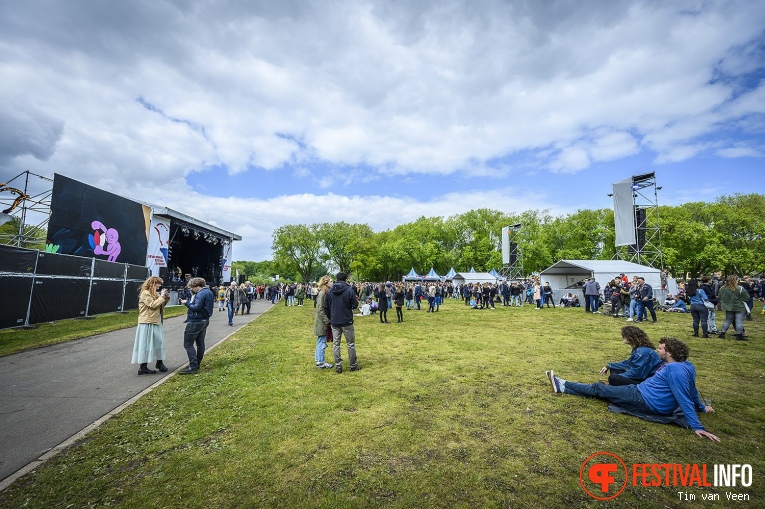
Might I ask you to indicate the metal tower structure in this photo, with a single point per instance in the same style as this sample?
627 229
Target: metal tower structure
645 205
18 203
512 256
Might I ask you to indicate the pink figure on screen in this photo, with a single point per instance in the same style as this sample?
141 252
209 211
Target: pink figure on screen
113 247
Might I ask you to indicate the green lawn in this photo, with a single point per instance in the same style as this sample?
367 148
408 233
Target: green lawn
451 409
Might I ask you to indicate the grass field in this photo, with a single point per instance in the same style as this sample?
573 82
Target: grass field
451 409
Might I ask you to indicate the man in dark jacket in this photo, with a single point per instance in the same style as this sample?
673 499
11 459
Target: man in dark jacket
339 304
197 319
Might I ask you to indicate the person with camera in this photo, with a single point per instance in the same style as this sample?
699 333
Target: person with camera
149 345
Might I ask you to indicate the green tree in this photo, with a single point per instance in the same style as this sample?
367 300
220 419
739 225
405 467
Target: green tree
33 237
343 242
296 249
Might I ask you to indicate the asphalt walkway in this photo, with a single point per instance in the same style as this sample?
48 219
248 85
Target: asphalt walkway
50 397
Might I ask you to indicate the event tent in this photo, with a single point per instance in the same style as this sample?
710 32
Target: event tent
412 276
450 274
432 276
566 274
462 278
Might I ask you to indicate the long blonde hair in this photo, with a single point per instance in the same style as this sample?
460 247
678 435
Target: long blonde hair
324 282
731 281
148 285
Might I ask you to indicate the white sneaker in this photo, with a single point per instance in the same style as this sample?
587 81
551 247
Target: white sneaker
629 319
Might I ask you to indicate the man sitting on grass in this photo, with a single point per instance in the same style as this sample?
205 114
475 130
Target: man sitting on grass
673 387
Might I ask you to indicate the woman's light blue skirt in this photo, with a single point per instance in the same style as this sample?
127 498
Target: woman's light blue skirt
149 343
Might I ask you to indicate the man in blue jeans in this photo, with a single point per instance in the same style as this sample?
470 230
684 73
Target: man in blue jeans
645 301
197 319
672 387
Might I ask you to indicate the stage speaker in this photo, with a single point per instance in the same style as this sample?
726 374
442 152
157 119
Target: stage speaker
513 254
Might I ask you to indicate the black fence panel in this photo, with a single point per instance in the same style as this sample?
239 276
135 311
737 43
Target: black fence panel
63 265
105 297
58 299
109 269
132 289
13 259
43 287
16 290
137 272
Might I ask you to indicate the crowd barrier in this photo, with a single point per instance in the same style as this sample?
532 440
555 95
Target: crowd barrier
42 287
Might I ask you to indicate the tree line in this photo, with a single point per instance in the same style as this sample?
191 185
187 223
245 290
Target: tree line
697 238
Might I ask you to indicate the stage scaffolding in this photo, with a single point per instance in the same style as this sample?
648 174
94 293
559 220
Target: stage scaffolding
32 210
645 205
512 256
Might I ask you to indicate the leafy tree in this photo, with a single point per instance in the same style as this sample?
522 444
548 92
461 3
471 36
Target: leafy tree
33 237
296 249
343 242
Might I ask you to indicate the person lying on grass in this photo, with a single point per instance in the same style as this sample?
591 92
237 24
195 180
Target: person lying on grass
671 389
642 363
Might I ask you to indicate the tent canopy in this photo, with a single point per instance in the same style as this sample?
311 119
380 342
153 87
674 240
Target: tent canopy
568 273
412 275
432 276
462 278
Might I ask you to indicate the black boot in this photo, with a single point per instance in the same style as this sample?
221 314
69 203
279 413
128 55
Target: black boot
161 366
721 335
144 370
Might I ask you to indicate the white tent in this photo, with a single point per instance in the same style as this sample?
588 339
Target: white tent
567 273
462 278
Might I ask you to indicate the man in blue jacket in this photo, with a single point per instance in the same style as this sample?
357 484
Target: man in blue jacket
672 387
200 310
339 304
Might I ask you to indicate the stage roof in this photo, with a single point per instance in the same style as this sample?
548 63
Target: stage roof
183 218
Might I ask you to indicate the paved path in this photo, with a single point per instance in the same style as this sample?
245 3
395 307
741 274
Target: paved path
53 394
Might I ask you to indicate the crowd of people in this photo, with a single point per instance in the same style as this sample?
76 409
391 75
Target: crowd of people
653 383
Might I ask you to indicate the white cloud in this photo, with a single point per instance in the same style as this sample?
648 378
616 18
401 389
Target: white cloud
143 94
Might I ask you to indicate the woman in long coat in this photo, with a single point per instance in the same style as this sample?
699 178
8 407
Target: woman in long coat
149 342
321 323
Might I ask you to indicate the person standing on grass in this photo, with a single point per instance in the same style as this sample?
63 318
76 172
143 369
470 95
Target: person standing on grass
538 295
321 323
699 311
431 298
709 289
733 299
339 304
382 304
673 387
198 318
645 292
398 301
149 337
642 363
548 293
592 295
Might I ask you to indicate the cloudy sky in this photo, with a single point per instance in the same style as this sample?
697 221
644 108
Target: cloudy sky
254 114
